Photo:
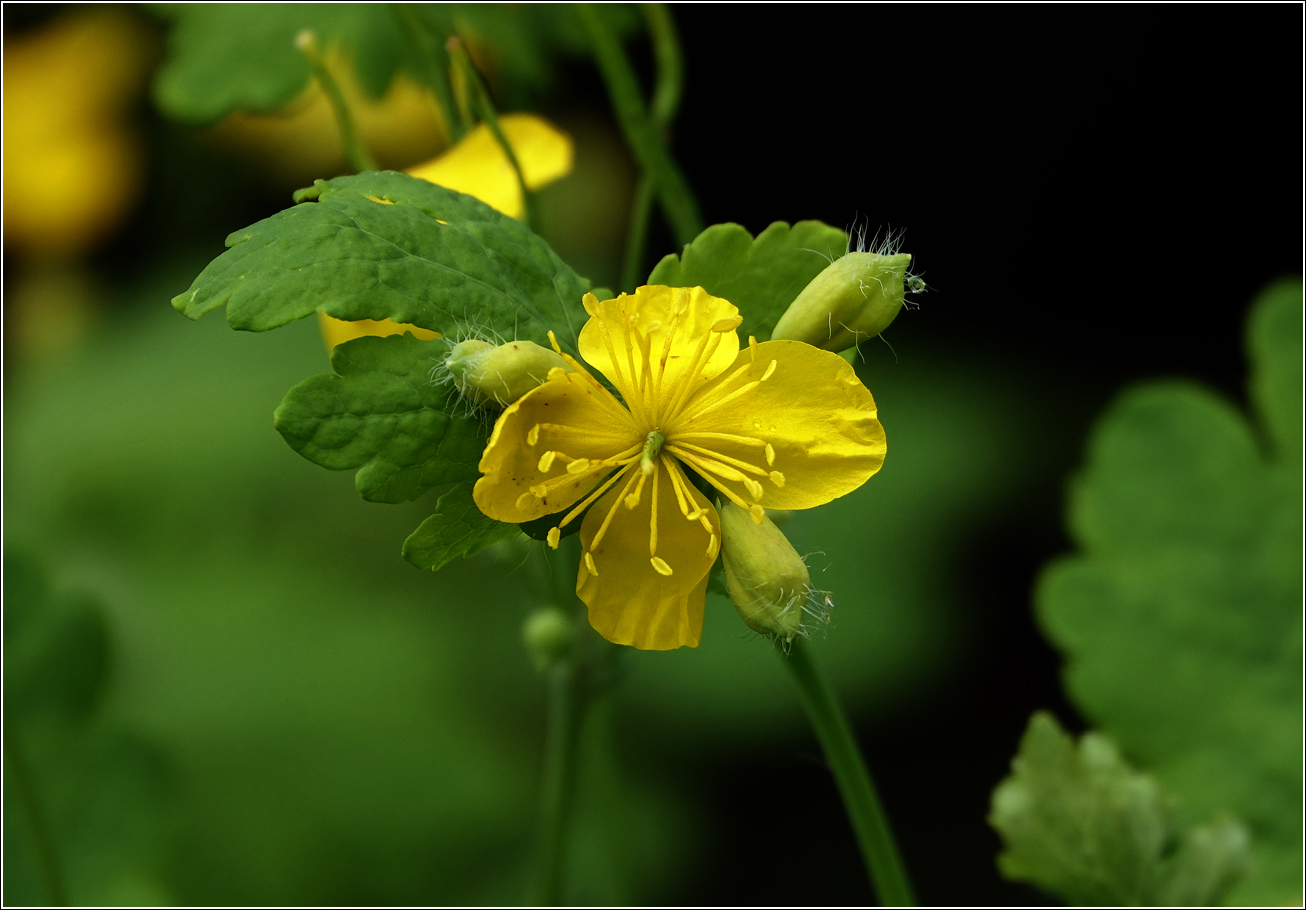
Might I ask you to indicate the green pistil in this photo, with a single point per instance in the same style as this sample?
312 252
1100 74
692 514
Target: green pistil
652 446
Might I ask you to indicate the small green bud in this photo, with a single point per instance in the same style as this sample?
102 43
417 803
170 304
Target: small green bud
853 299
765 576
548 634
497 376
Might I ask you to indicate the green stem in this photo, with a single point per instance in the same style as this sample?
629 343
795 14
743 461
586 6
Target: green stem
641 208
650 150
869 822
355 154
429 49
666 101
46 859
485 107
566 706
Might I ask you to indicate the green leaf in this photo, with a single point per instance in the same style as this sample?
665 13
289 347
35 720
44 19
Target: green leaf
1081 824
383 414
1181 618
389 246
224 57
56 645
761 277
458 528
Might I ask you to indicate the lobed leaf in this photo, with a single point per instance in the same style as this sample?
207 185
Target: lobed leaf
382 414
1081 824
458 528
1181 617
760 276
224 57
383 245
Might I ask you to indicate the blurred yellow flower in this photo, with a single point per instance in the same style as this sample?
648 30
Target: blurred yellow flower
71 165
478 167
780 423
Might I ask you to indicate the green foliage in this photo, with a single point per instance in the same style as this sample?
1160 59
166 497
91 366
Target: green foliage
224 57
56 646
425 255
458 528
382 414
1081 824
761 276
1181 618
241 56
82 794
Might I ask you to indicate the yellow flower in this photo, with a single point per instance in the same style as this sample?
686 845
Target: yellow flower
780 425
478 167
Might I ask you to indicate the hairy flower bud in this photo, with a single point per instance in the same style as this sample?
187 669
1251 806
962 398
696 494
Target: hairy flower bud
765 576
853 299
496 376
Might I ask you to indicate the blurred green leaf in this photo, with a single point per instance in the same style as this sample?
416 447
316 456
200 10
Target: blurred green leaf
56 647
224 57
1181 620
1081 824
432 258
458 528
760 276
382 414
241 56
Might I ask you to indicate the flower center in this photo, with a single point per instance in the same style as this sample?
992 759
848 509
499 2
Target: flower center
652 446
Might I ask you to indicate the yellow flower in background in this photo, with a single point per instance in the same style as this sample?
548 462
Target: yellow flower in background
478 167
72 166
779 425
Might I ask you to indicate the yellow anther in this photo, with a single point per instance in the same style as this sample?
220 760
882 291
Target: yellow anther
712 545
533 436
579 466
546 461
554 536
589 563
660 565
770 455
555 373
769 370
727 323
525 502
539 491
655 325
754 488
777 478
553 340
757 513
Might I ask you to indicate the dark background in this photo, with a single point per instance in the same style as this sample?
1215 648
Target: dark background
1093 195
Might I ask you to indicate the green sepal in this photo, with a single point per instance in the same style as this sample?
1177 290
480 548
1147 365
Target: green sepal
382 414
458 528
760 276
1078 822
1181 617
342 252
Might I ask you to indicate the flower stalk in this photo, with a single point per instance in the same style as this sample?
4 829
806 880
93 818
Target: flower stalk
485 109
648 146
355 154
435 66
42 845
870 824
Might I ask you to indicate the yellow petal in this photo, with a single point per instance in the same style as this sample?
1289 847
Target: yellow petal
338 331
578 419
812 410
631 601
478 167
659 343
